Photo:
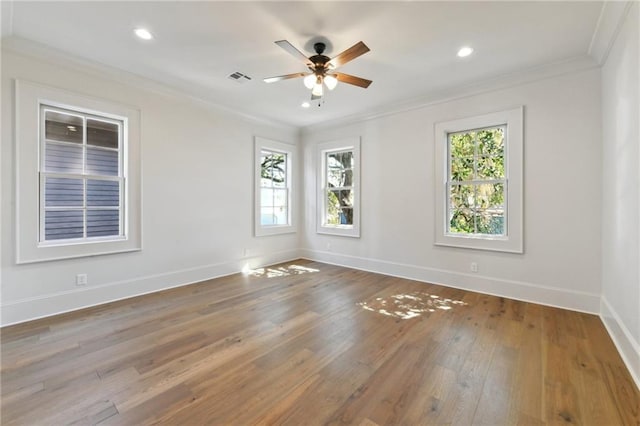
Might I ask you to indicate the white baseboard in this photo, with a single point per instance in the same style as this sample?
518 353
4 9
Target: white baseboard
628 347
28 309
527 292
32 308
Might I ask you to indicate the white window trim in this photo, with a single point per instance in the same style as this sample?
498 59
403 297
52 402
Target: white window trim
28 98
512 241
348 144
271 145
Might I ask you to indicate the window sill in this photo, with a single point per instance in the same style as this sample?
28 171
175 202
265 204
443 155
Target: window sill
481 243
265 231
342 231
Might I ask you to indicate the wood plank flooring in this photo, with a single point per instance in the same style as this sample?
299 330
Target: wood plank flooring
310 343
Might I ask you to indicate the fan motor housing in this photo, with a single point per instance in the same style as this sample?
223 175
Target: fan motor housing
319 59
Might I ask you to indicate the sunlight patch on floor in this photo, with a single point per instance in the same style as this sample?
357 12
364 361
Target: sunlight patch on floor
281 271
411 305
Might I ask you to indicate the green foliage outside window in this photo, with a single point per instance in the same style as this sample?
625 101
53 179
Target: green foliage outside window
477 182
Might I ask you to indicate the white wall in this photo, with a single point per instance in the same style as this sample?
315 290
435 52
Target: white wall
621 197
562 193
197 198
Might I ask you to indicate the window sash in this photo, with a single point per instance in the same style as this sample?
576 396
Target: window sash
84 176
476 182
475 209
328 189
284 187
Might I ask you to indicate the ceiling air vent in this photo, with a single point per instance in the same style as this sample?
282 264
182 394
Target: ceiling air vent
239 77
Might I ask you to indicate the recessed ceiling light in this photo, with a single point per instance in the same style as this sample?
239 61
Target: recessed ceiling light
143 33
305 105
465 51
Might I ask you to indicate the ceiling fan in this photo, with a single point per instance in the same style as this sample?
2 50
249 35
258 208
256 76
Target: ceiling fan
322 68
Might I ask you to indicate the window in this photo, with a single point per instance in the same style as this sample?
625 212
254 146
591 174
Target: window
273 187
476 184
479 184
81 176
339 192
78 175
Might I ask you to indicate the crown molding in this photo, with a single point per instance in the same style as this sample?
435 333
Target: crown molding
38 51
610 21
505 81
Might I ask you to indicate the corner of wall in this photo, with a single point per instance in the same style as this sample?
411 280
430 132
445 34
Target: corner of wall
610 21
628 347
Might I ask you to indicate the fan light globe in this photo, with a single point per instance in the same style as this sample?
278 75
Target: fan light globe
310 81
317 90
465 51
330 81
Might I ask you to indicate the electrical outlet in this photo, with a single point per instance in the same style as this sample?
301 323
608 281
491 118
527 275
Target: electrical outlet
81 279
474 267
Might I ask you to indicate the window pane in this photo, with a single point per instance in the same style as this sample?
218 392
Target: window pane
490 222
280 198
60 192
462 144
63 224
280 215
340 160
346 216
273 169
279 170
461 221
490 195
266 197
267 216
461 169
346 198
333 208
280 161
462 196
335 177
339 207
339 177
490 168
102 162
102 223
63 127
63 158
102 134
266 183
491 142
103 193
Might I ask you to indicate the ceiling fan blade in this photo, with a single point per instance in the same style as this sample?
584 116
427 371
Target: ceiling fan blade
295 52
351 53
284 77
351 79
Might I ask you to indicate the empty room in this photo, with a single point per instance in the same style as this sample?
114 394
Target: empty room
320 212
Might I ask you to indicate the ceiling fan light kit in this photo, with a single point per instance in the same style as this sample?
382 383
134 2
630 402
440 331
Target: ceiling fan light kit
321 67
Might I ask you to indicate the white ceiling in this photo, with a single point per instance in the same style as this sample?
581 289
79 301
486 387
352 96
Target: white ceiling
413 45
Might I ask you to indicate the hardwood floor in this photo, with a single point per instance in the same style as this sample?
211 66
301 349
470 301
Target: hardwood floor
310 343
